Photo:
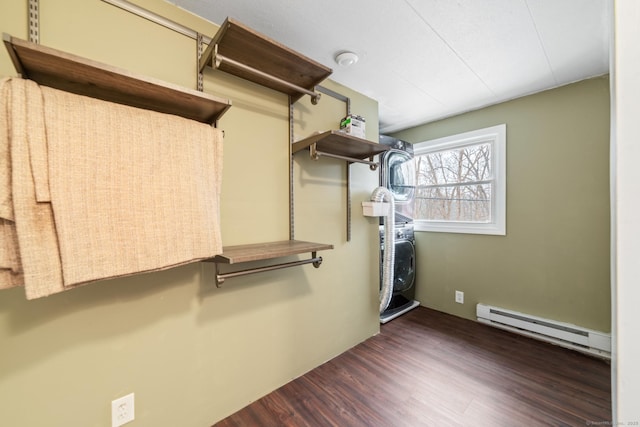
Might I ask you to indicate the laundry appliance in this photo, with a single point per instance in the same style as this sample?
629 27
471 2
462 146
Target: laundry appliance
397 174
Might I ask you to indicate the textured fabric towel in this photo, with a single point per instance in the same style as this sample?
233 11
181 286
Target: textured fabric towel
29 232
10 268
6 203
9 261
132 190
92 190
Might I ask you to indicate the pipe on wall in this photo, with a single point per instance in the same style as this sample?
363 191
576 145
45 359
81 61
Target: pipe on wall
382 194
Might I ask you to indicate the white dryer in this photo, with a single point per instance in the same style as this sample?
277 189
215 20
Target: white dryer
398 174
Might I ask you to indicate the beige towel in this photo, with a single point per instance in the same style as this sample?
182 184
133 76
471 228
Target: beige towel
8 240
132 190
37 243
102 190
37 239
10 268
6 203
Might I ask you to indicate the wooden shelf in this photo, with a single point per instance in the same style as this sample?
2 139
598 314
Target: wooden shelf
263 251
71 73
243 45
266 251
340 144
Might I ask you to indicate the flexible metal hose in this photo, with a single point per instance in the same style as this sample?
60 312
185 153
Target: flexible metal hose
381 194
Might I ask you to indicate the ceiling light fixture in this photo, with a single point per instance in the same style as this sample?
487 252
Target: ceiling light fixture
346 59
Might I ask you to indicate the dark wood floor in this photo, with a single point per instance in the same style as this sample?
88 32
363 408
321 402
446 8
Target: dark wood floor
428 368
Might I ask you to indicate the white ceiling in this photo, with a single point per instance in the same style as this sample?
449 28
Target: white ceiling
423 60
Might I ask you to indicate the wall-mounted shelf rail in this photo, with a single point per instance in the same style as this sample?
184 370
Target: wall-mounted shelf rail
246 53
71 73
264 251
340 145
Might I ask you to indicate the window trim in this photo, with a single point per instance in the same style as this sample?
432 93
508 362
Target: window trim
497 137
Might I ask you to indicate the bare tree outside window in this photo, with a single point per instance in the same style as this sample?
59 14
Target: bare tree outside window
455 184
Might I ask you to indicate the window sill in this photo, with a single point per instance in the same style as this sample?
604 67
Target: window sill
459 227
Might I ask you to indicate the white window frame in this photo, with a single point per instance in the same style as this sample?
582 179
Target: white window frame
497 137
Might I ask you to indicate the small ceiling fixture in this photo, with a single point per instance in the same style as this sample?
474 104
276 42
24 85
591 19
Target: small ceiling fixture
346 59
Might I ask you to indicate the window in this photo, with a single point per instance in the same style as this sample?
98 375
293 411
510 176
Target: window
461 183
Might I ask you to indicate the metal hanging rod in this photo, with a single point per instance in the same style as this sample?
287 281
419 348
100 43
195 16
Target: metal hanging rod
315 155
220 277
219 59
158 19
336 95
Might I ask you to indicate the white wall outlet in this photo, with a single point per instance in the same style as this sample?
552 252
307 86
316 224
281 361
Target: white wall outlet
122 410
460 297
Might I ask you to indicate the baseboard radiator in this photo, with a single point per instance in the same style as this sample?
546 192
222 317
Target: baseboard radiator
563 334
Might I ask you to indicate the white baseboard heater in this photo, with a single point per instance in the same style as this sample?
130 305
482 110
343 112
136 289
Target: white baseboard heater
563 334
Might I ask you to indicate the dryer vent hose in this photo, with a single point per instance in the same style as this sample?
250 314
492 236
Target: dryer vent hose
382 194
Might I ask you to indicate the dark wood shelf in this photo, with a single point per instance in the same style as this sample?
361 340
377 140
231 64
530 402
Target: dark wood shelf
270 250
71 73
341 144
242 44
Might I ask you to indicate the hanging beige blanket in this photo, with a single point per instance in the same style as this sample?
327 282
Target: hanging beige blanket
29 252
10 271
128 190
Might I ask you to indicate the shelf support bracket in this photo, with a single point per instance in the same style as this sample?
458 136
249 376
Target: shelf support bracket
291 183
219 59
315 155
221 277
348 201
34 21
372 165
199 51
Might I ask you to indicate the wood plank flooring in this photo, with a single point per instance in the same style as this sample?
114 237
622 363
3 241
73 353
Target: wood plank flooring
428 368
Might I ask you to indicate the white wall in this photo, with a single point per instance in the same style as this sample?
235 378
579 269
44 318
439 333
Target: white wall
626 212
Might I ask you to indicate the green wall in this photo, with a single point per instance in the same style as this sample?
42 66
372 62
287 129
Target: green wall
554 260
193 353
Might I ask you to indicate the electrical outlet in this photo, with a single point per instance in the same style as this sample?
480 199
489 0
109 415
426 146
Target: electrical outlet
460 297
122 410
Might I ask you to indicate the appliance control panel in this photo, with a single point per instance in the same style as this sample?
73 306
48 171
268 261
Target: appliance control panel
403 232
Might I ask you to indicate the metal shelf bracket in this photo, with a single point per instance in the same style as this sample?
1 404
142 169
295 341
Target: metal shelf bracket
34 21
199 51
316 154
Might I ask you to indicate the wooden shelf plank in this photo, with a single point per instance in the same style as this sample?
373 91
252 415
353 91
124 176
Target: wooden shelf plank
342 144
71 73
249 47
270 250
